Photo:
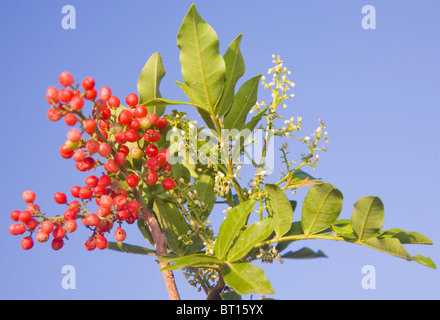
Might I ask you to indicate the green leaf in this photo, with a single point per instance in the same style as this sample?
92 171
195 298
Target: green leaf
322 206
229 228
173 224
255 120
244 100
304 253
203 68
256 232
299 176
367 217
129 248
145 231
406 237
195 261
391 246
235 68
149 81
157 102
278 206
295 229
204 185
203 113
245 278
427 262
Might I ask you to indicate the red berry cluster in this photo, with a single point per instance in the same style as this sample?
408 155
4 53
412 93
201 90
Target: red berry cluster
108 137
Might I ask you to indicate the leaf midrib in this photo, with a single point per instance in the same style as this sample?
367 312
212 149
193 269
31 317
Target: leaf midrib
199 52
318 213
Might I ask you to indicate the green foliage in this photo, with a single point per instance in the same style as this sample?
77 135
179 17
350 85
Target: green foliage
210 81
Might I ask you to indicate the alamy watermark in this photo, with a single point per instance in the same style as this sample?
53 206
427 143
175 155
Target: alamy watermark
68 282
69 19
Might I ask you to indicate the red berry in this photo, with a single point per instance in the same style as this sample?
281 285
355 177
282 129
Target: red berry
52 93
151 178
77 102
120 234
89 125
161 124
88 83
152 136
59 233
101 242
17 228
168 184
28 196
92 181
91 94
85 193
70 214
60 197
90 244
120 137
91 219
25 216
79 155
120 158
74 135
114 102
133 206
120 201
140 112
14 215
124 149
132 99
57 244
70 119
71 225
105 180
153 118
103 211
104 150
42 236
65 95
66 79
106 201
47 226
105 93
132 180
122 214
125 117
31 224
151 150
54 114
27 243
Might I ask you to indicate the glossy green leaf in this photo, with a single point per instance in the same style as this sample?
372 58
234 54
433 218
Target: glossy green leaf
204 186
173 224
427 262
367 217
149 81
165 102
129 248
246 278
229 228
195 261
406 237
322 206
244 100
391 246
203 113
235 68
145 231
304 253
295 229
256 232
203 68
278 206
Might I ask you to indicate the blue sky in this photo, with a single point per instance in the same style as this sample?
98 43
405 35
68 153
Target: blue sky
377 91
